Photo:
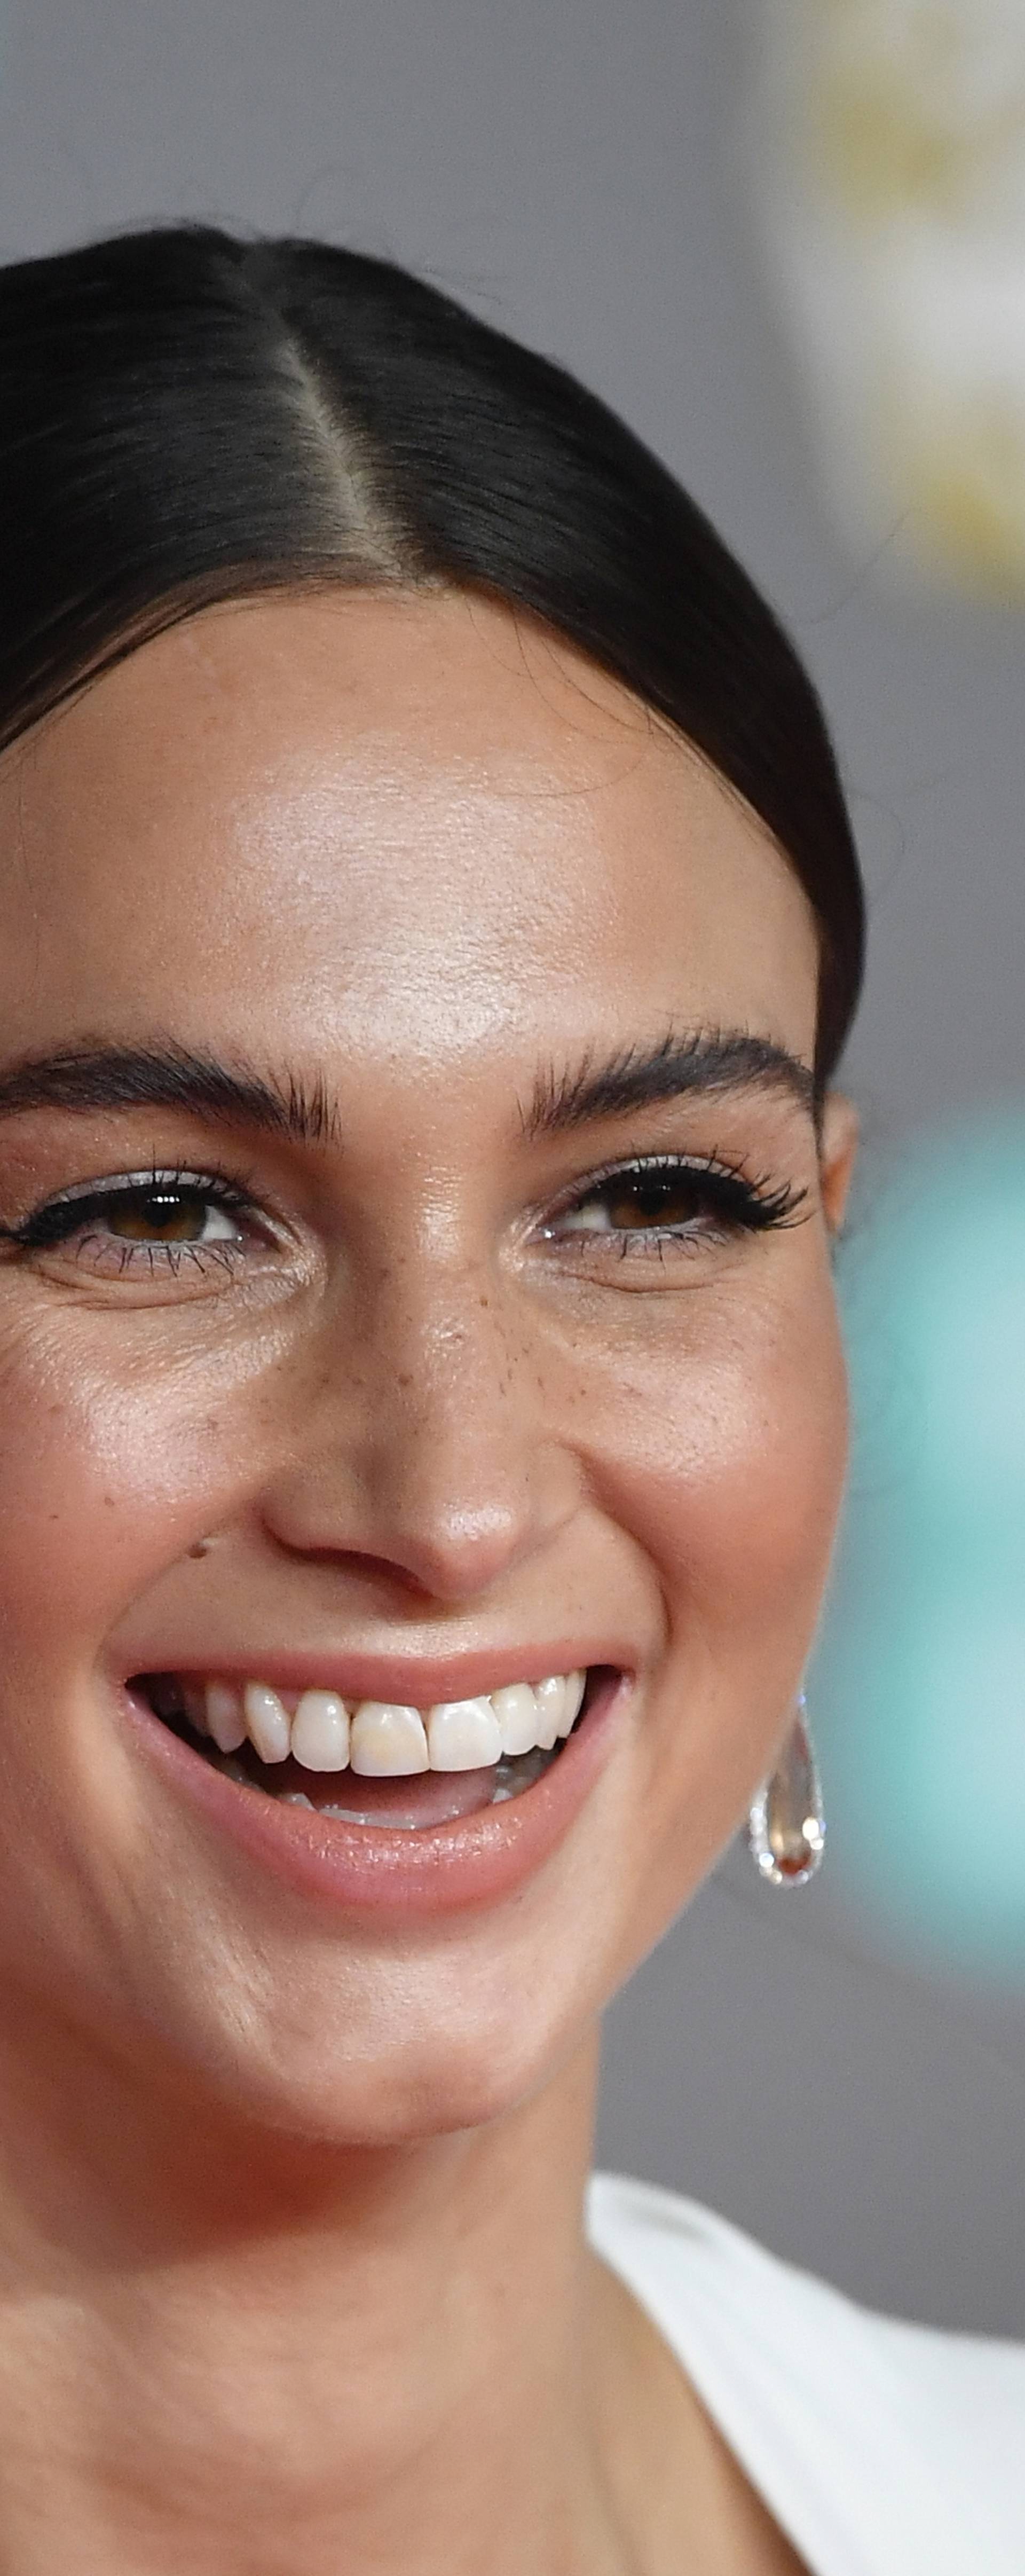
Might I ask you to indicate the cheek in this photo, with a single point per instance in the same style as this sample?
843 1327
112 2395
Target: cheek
729 1468
124 1468
727 1475
726 1470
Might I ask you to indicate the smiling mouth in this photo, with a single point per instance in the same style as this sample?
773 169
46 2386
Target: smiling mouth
373 1762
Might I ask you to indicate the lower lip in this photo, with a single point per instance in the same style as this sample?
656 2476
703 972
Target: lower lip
360 1869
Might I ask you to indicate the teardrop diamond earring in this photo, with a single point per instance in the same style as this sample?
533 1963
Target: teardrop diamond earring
786 1829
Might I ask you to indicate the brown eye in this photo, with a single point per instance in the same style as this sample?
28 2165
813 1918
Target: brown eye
157 1211
656 1199
672 1200
159 1216
638 1200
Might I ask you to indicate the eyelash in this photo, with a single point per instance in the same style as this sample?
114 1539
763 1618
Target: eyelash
732 1199
59 1220
735 1201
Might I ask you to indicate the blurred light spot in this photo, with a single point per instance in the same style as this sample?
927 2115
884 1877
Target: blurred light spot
887 152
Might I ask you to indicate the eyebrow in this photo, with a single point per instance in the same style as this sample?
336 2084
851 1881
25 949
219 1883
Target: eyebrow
166 1075
701 1061
169 1076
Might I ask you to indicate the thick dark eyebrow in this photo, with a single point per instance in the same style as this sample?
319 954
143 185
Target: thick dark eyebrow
165 1075
716 1060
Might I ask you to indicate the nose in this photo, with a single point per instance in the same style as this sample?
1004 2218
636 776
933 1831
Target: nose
424 1454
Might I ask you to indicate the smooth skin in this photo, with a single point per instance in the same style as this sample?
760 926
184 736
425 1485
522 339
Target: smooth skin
290 2242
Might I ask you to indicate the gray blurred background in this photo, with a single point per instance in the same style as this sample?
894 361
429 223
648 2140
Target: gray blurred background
573 172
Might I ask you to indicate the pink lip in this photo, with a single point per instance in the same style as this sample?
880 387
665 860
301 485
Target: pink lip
436 1869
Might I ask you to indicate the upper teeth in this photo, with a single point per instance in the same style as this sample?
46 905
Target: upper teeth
383 1737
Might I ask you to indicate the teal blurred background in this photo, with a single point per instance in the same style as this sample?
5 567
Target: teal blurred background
918 1686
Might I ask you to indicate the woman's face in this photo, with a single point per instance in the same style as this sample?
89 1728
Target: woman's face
392 938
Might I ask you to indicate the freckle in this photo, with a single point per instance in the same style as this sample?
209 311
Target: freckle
109 1501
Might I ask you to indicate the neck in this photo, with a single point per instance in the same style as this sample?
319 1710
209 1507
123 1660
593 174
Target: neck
229 2351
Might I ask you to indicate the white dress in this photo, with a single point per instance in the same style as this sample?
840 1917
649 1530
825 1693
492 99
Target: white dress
881 2449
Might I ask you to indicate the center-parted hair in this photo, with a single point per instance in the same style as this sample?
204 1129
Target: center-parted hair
186 417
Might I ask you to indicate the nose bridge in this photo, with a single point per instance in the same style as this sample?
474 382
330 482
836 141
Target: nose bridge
425 1445
437 1342
447 1446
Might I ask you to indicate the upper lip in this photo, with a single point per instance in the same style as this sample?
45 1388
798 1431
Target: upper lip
415 1681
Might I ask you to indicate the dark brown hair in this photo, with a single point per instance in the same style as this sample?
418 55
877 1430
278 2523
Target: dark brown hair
188 417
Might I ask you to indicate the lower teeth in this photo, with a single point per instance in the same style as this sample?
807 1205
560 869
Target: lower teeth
511 1778
512 1775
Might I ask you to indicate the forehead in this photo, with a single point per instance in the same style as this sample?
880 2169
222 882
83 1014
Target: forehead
400 824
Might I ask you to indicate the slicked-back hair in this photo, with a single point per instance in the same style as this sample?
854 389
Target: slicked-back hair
188 417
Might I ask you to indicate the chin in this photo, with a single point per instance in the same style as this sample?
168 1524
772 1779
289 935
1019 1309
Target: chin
409 2097
374 2078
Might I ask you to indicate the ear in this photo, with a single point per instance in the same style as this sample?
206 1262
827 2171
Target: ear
837 1156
